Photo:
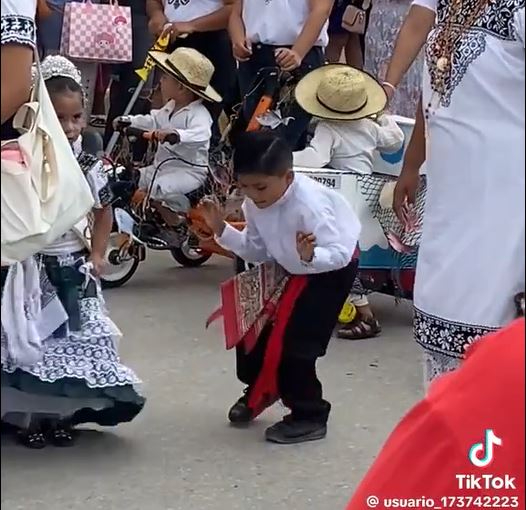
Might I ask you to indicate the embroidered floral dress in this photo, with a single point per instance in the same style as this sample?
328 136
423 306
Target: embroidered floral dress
471 257
80 376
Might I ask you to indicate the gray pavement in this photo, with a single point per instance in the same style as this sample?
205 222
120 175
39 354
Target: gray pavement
180 453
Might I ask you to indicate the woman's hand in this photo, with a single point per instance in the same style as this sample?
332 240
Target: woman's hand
305 244
288 59
404 194
242 50
157 23
212 215
180 28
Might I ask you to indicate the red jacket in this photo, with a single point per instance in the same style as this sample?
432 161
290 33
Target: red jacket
427 456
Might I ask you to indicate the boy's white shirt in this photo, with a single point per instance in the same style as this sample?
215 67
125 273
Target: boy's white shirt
309 207
278 22
193 123
350 145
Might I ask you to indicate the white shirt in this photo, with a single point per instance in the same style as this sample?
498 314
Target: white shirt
278 22
188 10
350 145
307 206
193 124
429 4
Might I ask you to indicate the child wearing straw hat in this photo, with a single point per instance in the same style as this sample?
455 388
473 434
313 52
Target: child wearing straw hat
345 100
182 167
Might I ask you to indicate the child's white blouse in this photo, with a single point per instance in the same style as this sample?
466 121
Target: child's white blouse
350 145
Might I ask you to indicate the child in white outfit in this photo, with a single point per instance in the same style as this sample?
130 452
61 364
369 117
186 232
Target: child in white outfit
347 138
346 141
183 126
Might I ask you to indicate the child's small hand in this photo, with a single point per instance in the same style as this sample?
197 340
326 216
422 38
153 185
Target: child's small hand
288 59
98 263
305 244
121 122
171 137
212 215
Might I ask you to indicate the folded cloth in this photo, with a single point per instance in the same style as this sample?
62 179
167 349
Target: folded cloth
248 300
21 309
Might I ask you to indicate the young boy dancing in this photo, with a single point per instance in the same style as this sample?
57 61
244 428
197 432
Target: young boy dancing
285 310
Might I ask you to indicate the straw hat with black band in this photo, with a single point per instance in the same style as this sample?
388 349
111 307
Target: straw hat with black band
189 67
340 92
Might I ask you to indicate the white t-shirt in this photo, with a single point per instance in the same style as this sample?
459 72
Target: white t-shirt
278 22
188 10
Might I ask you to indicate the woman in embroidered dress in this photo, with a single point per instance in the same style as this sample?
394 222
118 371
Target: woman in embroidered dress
79 378
386 18
471 257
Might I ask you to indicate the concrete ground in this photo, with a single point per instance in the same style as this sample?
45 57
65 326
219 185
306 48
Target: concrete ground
180 453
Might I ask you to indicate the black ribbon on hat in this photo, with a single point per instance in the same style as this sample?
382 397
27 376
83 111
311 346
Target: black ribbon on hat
354 110
182 78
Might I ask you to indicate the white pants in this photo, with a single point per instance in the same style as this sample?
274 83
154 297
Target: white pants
170 183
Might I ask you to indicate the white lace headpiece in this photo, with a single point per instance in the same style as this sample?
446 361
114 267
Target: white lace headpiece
56 65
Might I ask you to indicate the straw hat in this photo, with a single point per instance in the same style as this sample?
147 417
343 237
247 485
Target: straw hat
190 68
340 92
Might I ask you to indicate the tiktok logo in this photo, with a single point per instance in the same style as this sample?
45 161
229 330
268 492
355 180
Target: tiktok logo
481 454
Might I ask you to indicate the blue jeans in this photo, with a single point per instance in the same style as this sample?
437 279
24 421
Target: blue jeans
263 56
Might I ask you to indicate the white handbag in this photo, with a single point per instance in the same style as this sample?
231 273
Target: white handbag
44 192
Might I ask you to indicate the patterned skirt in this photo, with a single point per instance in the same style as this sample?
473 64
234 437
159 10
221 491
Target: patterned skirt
80 376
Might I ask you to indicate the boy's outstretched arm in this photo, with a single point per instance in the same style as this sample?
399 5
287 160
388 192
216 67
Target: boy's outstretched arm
318 153
246 244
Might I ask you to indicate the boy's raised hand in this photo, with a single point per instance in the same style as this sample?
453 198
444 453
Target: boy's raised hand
212 214
305 244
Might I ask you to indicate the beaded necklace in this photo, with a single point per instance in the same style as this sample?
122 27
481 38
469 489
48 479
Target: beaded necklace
443 46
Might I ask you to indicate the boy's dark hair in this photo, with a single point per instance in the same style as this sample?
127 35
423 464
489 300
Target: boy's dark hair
61 84
261 152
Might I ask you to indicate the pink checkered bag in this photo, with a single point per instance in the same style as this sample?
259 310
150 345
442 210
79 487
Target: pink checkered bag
97 32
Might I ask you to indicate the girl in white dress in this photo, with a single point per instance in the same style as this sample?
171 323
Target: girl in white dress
471 258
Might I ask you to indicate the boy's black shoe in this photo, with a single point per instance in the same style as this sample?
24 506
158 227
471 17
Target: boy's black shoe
240 413
290 431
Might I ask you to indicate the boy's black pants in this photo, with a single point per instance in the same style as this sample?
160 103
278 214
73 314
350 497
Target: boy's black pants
306 339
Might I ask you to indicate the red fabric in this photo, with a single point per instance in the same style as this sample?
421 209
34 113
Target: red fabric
430 445
265 391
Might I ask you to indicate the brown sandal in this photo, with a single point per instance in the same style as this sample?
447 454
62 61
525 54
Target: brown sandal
360 329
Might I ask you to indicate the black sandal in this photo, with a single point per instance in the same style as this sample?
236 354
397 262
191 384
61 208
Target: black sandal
62 435
360 329
33 439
